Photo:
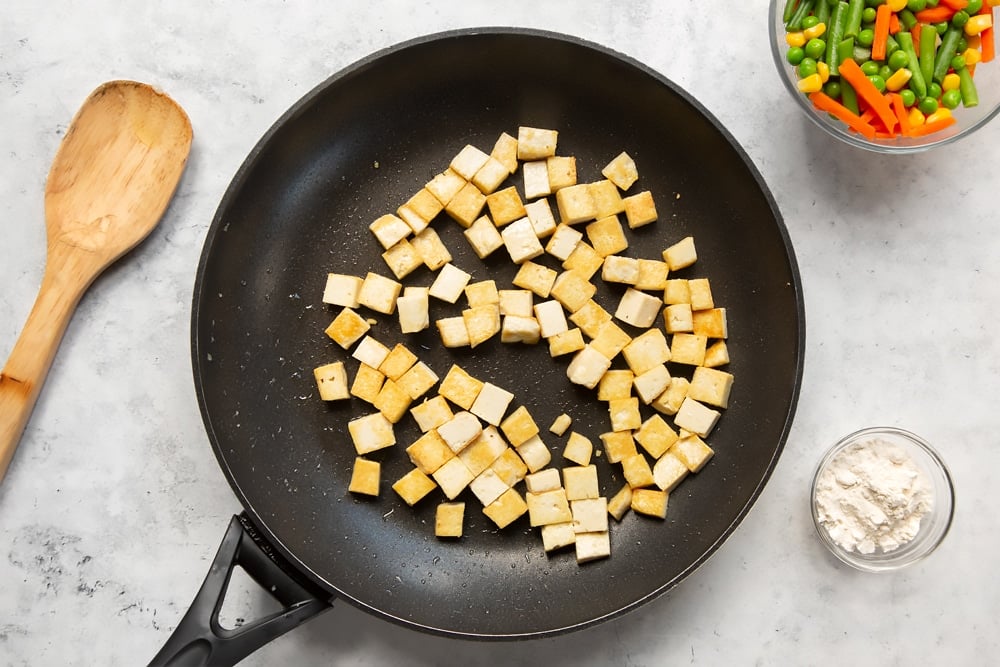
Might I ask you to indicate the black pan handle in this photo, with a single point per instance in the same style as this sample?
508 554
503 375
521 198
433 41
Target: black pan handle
200 639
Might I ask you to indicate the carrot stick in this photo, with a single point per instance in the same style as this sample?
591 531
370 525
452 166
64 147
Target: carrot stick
986 44
957 5
865 89
900 110
930 128
915 33
882 15
894 26
824 102
935 14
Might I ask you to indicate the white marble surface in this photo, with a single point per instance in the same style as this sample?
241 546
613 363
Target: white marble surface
114 504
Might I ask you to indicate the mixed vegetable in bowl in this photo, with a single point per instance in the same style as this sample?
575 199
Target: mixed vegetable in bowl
889 68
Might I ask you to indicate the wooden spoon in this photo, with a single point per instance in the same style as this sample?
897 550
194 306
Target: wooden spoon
110 182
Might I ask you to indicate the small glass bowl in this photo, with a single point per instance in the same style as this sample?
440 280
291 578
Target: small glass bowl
967 120
933 526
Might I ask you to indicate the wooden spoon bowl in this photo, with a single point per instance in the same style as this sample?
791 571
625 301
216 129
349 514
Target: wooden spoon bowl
112 178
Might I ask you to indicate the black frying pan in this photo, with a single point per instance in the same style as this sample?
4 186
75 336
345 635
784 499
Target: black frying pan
356 147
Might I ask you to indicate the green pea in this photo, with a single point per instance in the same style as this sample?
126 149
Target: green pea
916 5
807 67
934 90
810 21
885 71
898 60
908 96
868 15
941 27
815 48
974 6
928 105
865 37
952 98
960 18
878 82
958 62
870 68
962 45
795 55
832 88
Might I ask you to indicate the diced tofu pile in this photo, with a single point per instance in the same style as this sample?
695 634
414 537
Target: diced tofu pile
655 357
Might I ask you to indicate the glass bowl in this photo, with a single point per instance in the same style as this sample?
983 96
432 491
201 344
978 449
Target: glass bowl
987 79
933 525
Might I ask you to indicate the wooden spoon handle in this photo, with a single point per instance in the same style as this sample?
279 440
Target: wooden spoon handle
22 376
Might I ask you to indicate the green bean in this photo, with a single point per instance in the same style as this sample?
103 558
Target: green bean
823 12
848 97
967 88
786 16
917 82
928 44
973 7
853 25
801 12
891 45
833 41
946 52
907 18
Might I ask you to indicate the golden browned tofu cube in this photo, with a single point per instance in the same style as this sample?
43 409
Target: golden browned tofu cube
693 452
399 360
607 200
370 433
668 472
445 186
615 385
688 348
710 323
548 507
534 143
579 449
367 383
669 402
468 161
640 209
655 436
572 290
505 206
331 381
677 318
402 259
431 413
584 260
581 482
466 206
429 452
576 204
652 275
624 413
519 426
490 176
510 467
418 380
651 502
482 293
677 291
717 354
425 205
392 401
505 150
390 230
590 318
484 237
481 323
431 249
379 293
413 486
711 386
606 236
701 294
537 278
483 452
637 471
567 342
448 519
681 254
365 477
618 445
506 509
620 503
621 171
611 340
453 332
561 171
347 328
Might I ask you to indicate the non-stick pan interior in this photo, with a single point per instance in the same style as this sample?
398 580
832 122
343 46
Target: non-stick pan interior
356 148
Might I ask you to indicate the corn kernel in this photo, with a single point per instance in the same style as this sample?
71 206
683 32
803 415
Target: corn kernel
898 79
916 117
940 114
951 81
896 5
972 56
795 38
815 31
823 70
978 23
811 84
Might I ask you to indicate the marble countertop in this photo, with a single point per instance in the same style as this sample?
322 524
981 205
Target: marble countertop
114 505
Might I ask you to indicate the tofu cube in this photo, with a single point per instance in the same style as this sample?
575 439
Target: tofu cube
466 205
506 509
562 171
414 313
347 328
548 507
717 354
676 291
429 452
575 204
584 260
370 352
606 236
607 200
420 209
534 453
590 318
510 467
490 176
638 308
650 384
587 367
482 323
637 471
558 535
592 546
517 329
453 332
450 283
392 401
536 179
487 487
655 436
710 323
370 433
560 424
448 519
681 254
413 486
398 361
505 206
535 143
484 237
621 171
651 502
618 445
460 431
563 241
379 293
669 471
505 151
652 275
517 301
431 413
620 503
669 402
590 515
551 318
365 477
519 426
481 454
640 209
367 383
624 414
521 242
618 269
418 380
572 290
581 482
331 381
452 477
579 449
431 249
688 348
342 290
615 385
693 452
701 294
540 215
482 293
460 388
390 230
696 417
468 161
491 403
567 342
610 340
536 278
677 318
711 386
446 185
543 480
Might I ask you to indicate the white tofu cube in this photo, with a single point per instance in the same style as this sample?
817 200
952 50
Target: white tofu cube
677 318
560 424
543 480
536 179
539 213
618 269
521 242
551 318
681 255
534 453
370 433
459 431
450 283
563 241
693 452
579 449
638 308
668 472
342 290
331 381
468 161
414 313
488 486
558 535
431 249
696 417
711 386
587 367
445 186
490 176
592 546
516 301
535 143
379 293
370 352
653 382
548 507
621 171
590 515
581 482
483 236
516 329
491 404
390 230
452 477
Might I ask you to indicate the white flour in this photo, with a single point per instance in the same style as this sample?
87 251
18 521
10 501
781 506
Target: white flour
872 496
